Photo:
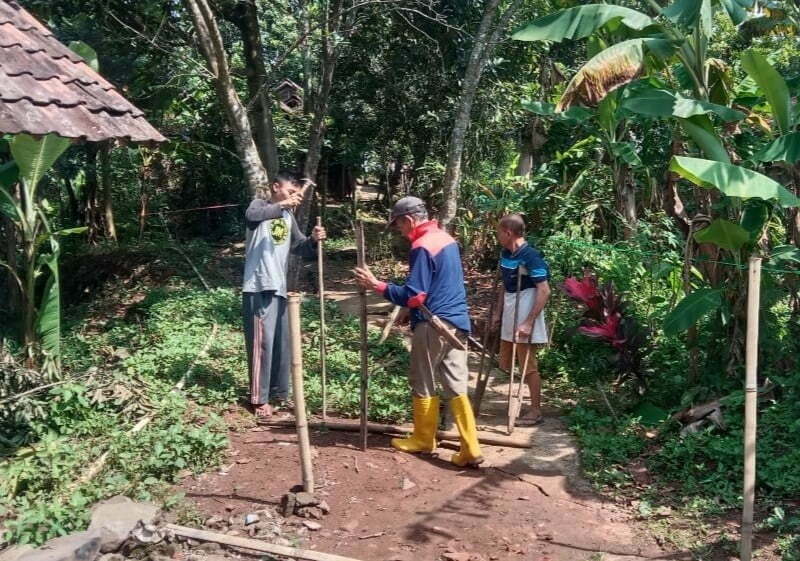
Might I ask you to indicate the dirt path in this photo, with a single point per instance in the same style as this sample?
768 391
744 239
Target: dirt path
524 504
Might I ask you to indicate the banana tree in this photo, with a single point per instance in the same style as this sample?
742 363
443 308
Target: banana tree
610 125
782 153
626 44
758 195
40 249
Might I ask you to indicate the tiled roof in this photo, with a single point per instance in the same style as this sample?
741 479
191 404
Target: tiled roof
47 88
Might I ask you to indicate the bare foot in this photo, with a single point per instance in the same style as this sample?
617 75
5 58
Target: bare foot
263 411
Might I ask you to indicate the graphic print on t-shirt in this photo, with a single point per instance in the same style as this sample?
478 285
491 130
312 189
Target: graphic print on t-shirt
279 231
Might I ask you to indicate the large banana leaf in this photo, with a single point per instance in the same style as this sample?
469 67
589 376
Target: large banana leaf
701 131
783 149
616 66
36 157
690 13
723 233
662 103
785 253
580 22
48 320
737 9
734 181
773 86
720 81
694 306
626 152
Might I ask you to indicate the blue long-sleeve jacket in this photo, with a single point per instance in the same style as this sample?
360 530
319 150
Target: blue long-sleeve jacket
435 279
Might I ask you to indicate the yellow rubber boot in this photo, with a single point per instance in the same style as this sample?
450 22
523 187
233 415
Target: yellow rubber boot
470 453
426 420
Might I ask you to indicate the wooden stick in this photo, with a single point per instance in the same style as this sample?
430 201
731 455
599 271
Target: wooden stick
443 330
323 352
388 327
393 430
255 545
517 405
750 411
298 393
484 368
362 295
510 427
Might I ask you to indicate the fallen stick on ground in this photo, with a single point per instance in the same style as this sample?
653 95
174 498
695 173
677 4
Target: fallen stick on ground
353 426
255 545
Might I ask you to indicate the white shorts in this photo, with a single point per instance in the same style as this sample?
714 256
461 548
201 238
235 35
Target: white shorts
526 300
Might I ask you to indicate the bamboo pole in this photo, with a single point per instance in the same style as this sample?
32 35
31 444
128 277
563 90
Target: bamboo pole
750 411
298 393
484 437
255 545
510 427
362 295
323 352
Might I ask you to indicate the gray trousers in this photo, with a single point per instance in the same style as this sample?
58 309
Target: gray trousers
434 359
266 336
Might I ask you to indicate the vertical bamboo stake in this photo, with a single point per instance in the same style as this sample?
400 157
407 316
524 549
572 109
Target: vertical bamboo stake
322 348
362 295
510 427
750 411
299 395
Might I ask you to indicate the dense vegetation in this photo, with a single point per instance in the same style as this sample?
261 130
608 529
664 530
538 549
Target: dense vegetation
650 145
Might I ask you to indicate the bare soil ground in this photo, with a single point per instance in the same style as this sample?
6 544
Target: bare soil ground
385 505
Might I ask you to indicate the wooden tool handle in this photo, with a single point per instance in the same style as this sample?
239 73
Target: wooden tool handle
443 330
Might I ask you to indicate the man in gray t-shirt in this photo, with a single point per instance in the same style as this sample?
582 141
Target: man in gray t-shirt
272 234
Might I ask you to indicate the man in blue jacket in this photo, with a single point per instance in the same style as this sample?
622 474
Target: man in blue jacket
436 279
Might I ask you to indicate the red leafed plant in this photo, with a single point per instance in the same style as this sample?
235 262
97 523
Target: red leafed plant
604 318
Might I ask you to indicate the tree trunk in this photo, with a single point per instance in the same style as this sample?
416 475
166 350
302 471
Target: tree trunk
532 141
485 40
90 205
14 295
626 198
210 44
673 205
329 53
108 204
331 24
245 17
304 28
793 217
74 207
